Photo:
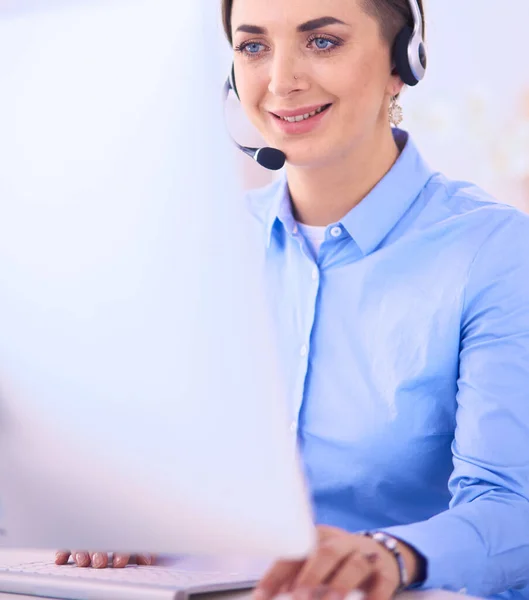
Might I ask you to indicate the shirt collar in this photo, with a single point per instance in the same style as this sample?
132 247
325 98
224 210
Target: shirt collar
371 220
280 210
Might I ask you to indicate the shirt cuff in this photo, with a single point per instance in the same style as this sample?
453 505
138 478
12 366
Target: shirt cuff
448 565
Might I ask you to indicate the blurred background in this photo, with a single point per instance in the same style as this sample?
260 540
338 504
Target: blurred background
470 116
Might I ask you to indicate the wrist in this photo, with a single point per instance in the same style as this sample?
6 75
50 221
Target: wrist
413 561
411 564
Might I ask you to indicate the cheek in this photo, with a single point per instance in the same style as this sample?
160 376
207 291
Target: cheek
251 84
252 94
361 94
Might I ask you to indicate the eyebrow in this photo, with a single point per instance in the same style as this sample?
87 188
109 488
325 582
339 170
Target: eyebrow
303 28
319 23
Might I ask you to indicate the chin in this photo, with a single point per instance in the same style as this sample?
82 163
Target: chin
313 155
327 151
304 162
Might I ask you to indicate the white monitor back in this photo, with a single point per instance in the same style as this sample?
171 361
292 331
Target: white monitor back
140 404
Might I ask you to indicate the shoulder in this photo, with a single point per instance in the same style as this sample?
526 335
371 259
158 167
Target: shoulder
496 236
474 212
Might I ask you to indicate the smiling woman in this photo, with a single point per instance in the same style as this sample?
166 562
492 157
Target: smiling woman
401 300
269 60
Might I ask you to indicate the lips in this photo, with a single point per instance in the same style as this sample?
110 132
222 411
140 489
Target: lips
301 121
300 114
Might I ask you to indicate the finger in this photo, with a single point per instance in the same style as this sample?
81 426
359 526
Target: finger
386 580
120 561
334 595
352 595
381 589
281 574
327 560
353 573
146 560
62 557
82 559
99 560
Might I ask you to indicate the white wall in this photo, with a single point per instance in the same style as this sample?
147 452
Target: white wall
470 116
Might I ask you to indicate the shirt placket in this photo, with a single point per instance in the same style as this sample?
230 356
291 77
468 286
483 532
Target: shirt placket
308 288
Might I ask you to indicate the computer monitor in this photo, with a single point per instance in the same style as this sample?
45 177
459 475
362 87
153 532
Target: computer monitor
141 406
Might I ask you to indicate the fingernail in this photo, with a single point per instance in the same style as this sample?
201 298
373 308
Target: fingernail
304 594
260 594
355 595
80 558
98 560
118 561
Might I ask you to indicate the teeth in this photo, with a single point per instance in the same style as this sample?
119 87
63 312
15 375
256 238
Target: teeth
303 117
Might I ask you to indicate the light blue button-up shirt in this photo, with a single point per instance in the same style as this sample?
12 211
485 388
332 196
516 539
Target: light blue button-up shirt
405 347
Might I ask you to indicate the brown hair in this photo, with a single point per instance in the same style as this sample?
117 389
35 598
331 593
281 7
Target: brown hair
391 14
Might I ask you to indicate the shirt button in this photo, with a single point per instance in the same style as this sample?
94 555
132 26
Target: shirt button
295 230
304 350
315 275
293 427
336 232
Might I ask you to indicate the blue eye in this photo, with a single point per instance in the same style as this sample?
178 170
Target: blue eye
253 48
250 49
324 44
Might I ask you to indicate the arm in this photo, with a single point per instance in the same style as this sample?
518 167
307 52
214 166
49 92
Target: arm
482 542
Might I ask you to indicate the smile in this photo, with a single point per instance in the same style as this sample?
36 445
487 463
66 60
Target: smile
305 117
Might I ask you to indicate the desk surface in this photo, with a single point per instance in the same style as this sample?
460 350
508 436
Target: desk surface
13 557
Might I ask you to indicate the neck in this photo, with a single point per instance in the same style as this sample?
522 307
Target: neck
325 194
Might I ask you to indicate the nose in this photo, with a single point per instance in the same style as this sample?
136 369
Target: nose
286 75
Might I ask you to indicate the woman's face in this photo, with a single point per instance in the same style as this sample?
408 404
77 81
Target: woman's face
296 58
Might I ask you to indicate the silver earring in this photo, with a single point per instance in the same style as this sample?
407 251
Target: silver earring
395 112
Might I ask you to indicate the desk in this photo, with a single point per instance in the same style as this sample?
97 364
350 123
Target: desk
13 557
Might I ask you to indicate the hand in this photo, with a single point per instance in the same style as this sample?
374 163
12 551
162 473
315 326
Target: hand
342 562
100 560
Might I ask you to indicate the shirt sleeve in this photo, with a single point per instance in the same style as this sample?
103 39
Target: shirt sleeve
481 544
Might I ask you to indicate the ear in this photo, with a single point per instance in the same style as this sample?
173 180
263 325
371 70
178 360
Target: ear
395 83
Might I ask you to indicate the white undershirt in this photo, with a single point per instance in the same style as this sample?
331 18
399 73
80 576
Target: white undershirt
315 236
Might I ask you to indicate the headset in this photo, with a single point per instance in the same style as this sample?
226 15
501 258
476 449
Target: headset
409 59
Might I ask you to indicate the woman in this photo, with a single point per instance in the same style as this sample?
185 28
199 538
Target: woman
402 304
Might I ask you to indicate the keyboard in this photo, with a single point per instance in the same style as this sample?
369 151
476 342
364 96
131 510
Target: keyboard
177 582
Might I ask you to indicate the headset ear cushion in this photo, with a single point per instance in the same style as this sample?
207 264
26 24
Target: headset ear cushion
232 80
400 56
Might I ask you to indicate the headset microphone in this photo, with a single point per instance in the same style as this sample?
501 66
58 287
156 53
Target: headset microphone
269 158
